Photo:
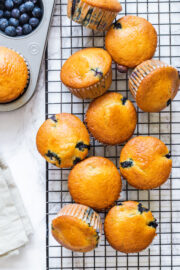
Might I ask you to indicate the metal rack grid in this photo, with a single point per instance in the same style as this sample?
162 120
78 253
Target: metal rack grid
65 38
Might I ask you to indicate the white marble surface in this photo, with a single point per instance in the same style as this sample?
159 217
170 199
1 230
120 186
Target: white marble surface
17 136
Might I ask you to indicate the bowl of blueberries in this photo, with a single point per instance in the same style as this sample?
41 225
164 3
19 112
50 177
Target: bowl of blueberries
20 17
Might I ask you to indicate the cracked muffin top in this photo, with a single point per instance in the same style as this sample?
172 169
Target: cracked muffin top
86 67
131 40
77 227
111 118
145 162
95 182
130 227
63 140
13 75
112 5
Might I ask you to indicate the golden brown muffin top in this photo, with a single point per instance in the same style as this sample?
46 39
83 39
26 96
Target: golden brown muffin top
13 75
130 227
157 86
95 182
111 118
131 40
86 67
77 227
145 163
63 140
112 5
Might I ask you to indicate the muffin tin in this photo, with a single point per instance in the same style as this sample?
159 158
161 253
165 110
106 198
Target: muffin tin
32 47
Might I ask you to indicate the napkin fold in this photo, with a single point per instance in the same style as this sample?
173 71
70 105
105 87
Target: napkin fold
15 225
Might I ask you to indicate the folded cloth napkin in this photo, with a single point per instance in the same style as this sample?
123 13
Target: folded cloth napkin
15 225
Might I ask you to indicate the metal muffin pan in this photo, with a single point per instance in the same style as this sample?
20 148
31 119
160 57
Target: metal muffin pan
31 47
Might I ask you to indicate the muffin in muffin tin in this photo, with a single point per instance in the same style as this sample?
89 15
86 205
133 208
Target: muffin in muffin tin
14 75
63 140
77 227
130 227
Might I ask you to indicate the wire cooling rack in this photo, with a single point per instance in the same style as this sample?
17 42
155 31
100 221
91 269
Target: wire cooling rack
67 37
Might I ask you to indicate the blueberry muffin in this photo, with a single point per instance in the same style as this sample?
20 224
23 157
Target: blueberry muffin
145 162
14 75
94 14
95 182
130 227
77 227
131 40
154 84
88 73
111 118
63 140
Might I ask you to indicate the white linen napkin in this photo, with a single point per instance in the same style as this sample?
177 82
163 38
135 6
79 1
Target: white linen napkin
15 225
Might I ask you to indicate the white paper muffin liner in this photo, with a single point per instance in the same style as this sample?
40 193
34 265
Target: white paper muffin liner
84 213
92 17
141 71
94 90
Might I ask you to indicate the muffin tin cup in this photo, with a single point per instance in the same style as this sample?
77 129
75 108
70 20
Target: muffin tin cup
141 71
31 47
84 213
89 16
94 90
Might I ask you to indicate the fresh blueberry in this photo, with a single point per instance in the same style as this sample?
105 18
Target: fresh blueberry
34 22
15 13
27 29
19 31
10 31
22 8
7 14
18 2
3 23
9 4
29 6
1 13
37 12
24 18
13 22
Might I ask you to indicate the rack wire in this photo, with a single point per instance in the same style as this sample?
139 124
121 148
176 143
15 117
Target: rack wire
65 38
